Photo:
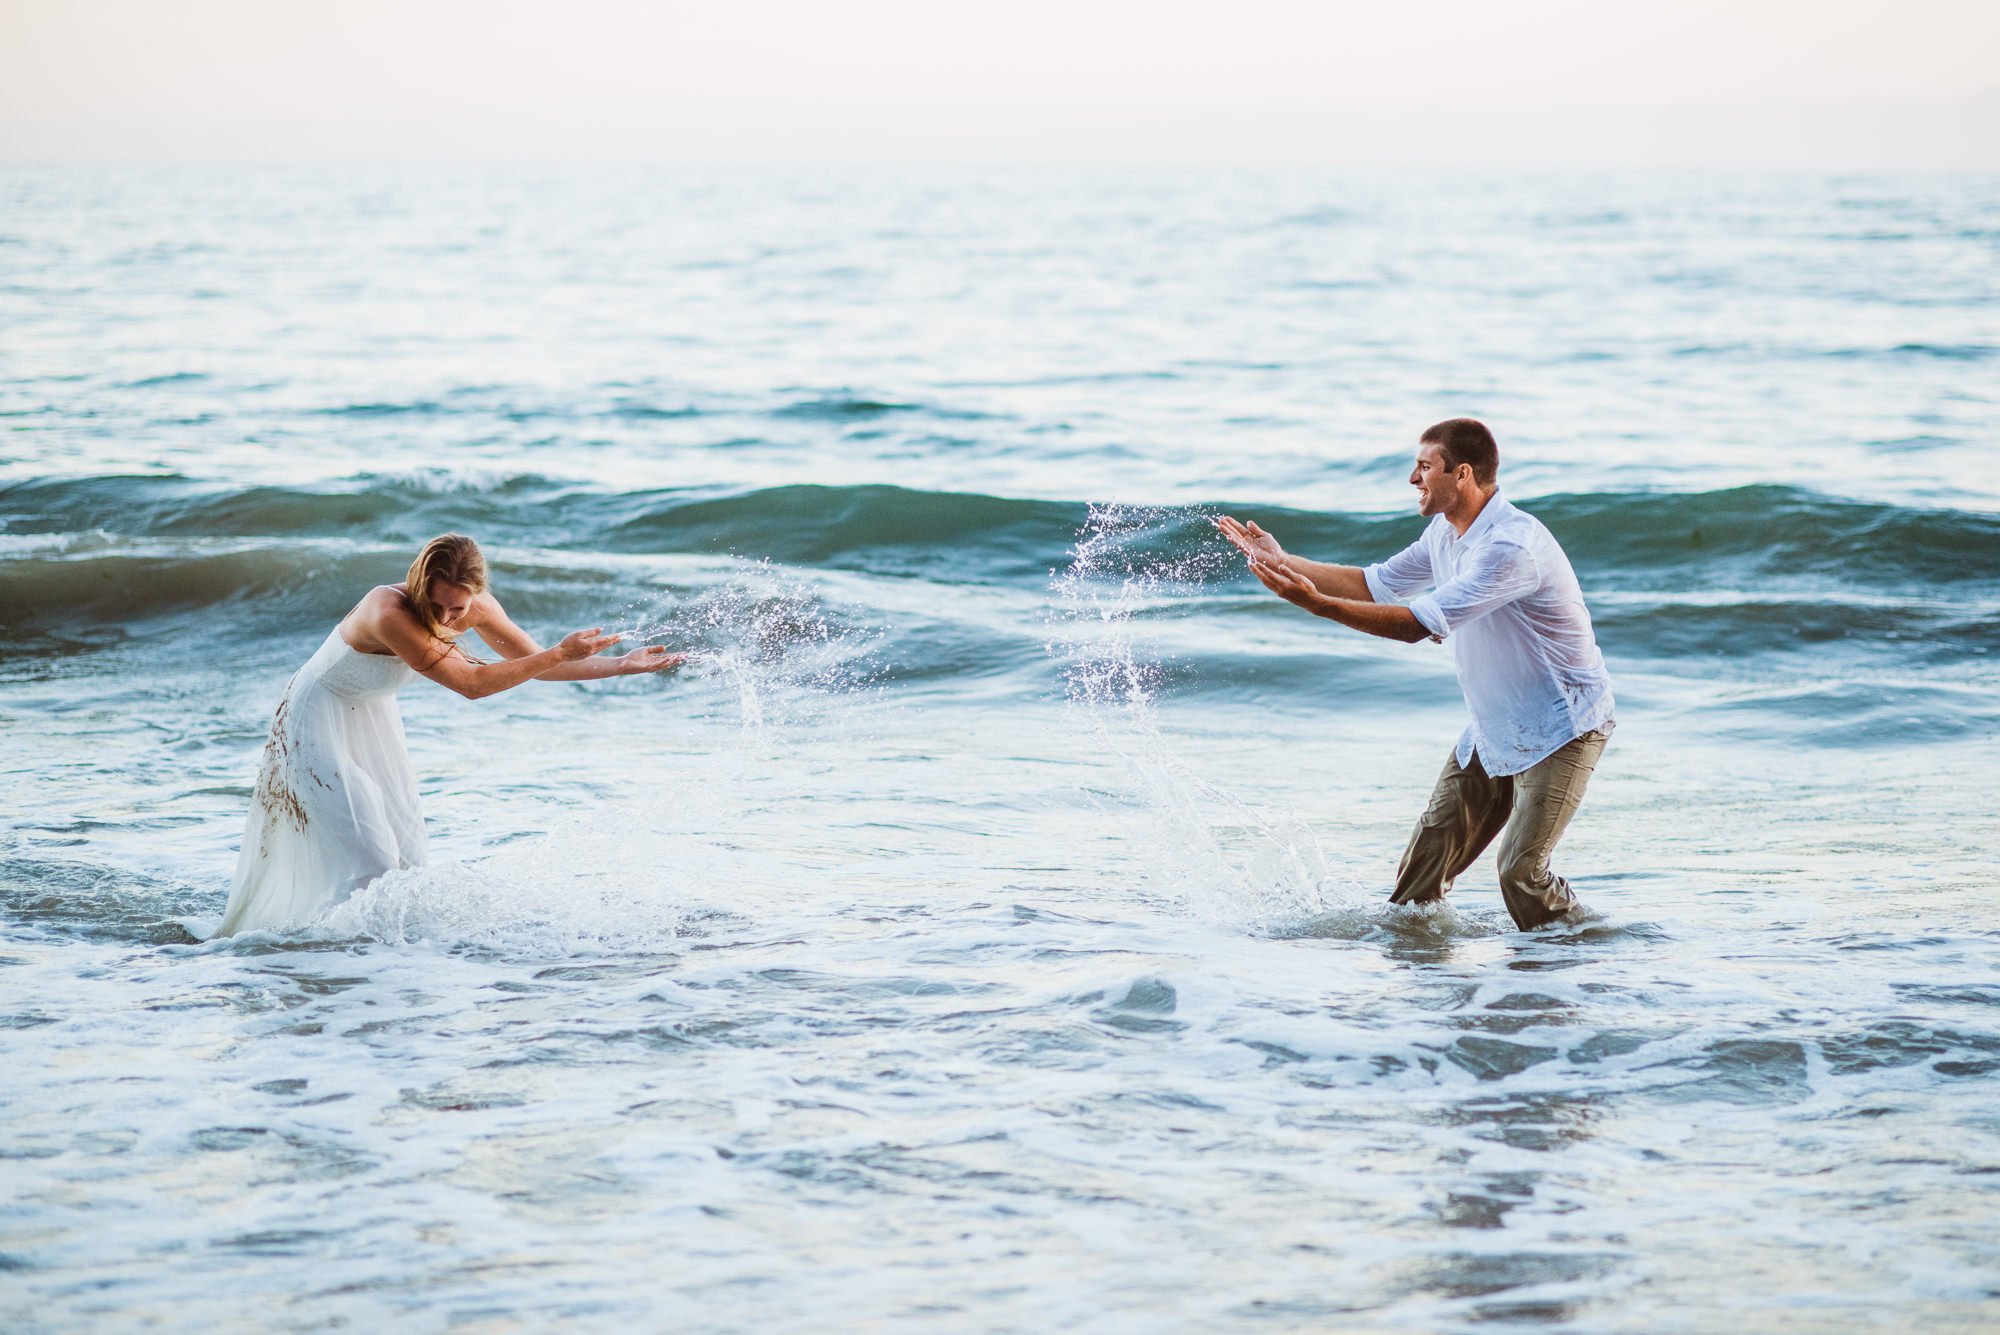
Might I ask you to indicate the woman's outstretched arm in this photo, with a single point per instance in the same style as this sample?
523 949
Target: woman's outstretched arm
391 622
511 642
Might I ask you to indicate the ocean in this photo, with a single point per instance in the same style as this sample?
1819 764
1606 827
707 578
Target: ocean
986 929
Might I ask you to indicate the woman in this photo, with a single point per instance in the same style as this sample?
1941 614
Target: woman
336 802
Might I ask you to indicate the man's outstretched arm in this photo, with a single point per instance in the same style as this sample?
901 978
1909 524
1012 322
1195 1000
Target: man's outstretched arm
1335 581
1391 621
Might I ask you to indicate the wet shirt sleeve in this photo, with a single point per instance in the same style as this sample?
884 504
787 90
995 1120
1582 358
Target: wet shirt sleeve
1401 575
1495 575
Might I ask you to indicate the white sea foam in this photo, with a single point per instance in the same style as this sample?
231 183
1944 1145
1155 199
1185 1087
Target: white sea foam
612 883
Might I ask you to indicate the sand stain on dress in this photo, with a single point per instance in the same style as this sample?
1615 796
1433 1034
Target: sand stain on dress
275 797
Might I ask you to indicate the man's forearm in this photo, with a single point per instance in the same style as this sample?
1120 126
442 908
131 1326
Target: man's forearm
1392 621
1332 580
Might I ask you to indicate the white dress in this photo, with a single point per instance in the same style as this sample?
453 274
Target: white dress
336 801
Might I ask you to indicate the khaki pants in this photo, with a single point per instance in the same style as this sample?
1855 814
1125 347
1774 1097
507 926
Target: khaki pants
1469 806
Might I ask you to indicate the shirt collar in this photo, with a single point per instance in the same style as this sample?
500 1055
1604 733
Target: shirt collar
1489 515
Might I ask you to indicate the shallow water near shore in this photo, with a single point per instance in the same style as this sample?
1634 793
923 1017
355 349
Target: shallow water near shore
986 931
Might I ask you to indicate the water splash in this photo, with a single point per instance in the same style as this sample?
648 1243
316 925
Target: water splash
772 643
1208 848
694 844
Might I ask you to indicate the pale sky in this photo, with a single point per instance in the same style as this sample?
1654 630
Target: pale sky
1586 83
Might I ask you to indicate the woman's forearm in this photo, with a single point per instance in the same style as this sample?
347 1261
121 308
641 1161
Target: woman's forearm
585 669
492 678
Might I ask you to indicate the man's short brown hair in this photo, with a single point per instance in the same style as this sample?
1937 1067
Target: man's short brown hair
1464 440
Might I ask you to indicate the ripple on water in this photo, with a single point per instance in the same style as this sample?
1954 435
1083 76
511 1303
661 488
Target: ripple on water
93 902
1751 1072
1497 1058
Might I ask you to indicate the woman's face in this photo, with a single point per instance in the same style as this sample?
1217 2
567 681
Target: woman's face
451 604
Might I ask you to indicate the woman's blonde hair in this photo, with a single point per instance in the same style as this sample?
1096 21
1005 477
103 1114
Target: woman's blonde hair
453 558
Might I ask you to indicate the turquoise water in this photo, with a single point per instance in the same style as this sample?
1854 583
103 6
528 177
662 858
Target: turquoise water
985 931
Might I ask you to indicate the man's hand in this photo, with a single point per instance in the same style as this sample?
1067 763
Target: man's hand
1391 621
652 658
1281 581
1252 541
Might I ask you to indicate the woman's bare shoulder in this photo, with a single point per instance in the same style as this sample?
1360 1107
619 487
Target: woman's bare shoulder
381 607
385 599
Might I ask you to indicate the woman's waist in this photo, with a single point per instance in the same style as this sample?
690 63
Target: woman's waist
345 677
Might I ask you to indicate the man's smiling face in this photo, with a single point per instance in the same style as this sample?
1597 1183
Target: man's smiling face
1437 483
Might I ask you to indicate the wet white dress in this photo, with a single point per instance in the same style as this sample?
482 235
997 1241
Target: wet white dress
336 801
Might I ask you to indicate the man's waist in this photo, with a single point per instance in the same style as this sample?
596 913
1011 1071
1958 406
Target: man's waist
1544 714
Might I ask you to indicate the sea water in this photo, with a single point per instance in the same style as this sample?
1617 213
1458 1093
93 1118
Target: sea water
985 930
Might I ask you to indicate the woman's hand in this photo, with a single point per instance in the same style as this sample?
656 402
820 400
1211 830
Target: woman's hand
652 658
1252 541
585 643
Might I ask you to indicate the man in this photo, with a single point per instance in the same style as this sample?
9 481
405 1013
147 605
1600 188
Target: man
1505 597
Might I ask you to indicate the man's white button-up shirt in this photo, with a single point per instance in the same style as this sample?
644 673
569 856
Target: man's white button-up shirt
1504 596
